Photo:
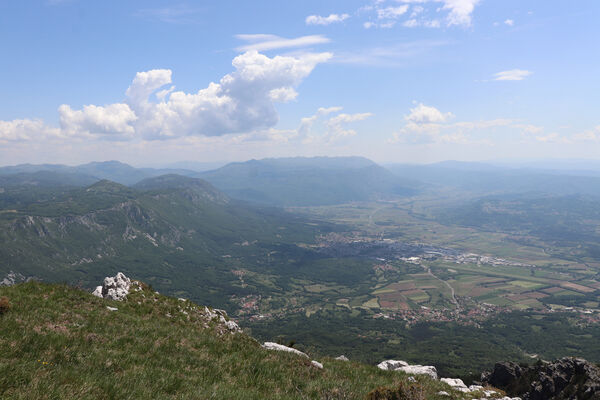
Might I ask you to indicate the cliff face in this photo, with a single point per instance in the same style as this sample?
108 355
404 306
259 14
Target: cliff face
566 378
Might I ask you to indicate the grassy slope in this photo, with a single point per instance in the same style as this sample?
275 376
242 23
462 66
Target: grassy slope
58 342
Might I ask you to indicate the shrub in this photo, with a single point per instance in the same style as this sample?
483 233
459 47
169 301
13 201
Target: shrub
402 392
4 305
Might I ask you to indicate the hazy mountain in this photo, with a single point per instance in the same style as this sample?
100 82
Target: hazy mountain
84 174
197 166
308 181
482 178
46 179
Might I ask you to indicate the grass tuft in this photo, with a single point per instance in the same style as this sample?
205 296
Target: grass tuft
401 392
4 305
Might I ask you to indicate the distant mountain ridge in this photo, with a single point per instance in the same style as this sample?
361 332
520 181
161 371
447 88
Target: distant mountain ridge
298 181
317 181
309 181
115 171
482 178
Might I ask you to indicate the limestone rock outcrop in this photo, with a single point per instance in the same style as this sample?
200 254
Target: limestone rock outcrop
114 288
397 365
566 378
221 316
280 347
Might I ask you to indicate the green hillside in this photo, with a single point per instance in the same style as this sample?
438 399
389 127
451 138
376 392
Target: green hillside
58 342
179 234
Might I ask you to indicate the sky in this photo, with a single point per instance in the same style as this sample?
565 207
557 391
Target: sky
398 81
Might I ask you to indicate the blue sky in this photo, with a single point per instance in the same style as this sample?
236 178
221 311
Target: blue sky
392 80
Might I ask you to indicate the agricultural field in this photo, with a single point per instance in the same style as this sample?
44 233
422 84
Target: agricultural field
512 270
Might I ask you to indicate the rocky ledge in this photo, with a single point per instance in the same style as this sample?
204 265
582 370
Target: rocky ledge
567 378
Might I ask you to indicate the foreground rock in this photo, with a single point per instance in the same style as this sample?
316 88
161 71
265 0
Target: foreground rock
114 288
567 378
396 365
280 347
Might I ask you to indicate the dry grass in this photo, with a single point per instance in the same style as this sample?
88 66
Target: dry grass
4 305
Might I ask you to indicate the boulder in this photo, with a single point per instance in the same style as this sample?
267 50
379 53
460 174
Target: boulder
117 287
280 347
114 288
566 378
391 365
232 326
396 365
342 358
456 384
420 370
316 364
98 292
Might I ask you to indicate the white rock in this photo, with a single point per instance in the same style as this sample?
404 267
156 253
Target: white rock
342 358
280 347
98 292
453 382
420 370
114 288
317 364
232 326
117 287
442 393
456 384
112 308
396 365
391 365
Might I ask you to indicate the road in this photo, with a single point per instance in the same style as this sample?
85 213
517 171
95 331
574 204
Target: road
452 292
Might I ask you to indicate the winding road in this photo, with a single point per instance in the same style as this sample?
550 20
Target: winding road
452 292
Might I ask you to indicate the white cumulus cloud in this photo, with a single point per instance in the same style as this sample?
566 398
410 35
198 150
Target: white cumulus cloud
331 19
241 102
114 119
427 125
336 126
422 114
319 128
460 11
